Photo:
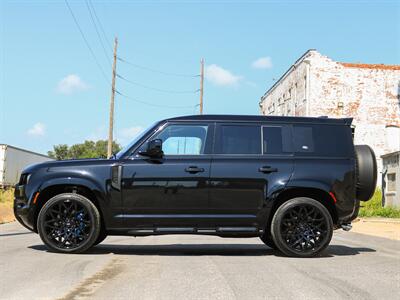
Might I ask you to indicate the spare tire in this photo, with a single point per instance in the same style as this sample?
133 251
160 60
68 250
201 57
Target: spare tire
366 172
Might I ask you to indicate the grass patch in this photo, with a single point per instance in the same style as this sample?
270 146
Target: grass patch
373 208
6 205
7 196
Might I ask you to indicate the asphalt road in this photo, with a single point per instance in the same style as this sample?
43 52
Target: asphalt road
197 267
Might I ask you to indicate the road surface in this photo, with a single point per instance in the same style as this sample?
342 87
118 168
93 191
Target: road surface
354 266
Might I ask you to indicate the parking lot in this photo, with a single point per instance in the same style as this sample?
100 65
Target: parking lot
197 267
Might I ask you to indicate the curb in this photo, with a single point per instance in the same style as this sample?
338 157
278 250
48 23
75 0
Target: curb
378 220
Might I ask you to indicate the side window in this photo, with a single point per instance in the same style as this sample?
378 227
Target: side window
243 139
276 139
183 139
303 139
322 140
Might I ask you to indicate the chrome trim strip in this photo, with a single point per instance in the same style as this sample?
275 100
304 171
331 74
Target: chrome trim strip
165 216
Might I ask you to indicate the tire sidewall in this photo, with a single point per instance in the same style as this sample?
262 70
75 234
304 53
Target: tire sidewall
94 216
276 222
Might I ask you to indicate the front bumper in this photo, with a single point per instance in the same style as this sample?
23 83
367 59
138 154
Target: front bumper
22 209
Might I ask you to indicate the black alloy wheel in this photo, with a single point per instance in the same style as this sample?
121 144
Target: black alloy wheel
302 227
69 223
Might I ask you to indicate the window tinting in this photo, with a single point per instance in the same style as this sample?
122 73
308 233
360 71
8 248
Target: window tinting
322 140
303 139
276 139
243 139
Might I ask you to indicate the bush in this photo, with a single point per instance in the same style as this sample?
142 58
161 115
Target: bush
373 208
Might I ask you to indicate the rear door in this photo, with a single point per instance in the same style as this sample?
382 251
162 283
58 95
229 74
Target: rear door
250 162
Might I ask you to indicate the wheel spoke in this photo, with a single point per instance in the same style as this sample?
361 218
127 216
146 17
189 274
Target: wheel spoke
304 228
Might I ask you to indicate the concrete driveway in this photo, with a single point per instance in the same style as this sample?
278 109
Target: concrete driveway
354 266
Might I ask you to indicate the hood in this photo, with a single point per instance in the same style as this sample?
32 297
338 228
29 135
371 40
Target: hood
65 163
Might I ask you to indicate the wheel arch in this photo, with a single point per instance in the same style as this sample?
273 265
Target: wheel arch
49 191
320 195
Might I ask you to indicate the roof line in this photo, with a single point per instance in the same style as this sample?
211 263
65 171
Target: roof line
370 66
293 66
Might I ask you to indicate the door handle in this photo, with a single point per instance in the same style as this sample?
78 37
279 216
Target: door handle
194 169
267 169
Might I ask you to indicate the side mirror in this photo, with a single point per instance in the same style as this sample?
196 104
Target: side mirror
154 149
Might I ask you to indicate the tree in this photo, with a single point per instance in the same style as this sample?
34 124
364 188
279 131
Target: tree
88 149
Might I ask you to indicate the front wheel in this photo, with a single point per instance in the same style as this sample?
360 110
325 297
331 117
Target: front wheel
69 223
302 227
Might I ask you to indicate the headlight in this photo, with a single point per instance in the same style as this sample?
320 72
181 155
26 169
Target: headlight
24 179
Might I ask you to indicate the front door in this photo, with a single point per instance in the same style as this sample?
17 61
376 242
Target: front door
172 190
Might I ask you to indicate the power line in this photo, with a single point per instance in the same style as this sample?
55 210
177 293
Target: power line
97 32
157 89
156 71
100 25
86 41
152 104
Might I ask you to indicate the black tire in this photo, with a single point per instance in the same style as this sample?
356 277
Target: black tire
302 227
102 236
69 223
366 172
267 239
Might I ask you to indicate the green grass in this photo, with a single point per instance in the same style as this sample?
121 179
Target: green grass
7 196
373 208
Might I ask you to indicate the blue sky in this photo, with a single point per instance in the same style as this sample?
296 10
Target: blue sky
53 92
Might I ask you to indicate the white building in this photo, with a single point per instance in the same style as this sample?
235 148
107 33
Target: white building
391 171
316 85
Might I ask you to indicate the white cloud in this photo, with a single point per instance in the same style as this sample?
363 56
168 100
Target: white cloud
220 76
38 129
125 135
70 84
262 63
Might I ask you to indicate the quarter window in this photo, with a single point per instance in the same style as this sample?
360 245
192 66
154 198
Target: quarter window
322 140
183 139
243 139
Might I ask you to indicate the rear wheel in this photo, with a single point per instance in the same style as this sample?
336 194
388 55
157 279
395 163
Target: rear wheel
69 223
302 227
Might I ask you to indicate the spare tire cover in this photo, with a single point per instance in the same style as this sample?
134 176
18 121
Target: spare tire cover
366 172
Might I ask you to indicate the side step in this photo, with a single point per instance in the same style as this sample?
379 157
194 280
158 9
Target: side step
192 230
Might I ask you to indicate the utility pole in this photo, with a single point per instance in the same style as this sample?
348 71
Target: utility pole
201 84
111 125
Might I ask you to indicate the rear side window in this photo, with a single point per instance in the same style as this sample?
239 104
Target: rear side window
322 140
235 139
276 139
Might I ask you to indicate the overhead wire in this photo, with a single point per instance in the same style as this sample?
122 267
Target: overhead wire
88 2
157 89
86 41
101 26
97 32
152 104
155 70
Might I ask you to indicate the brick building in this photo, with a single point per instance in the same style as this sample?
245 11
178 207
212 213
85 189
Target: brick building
316 85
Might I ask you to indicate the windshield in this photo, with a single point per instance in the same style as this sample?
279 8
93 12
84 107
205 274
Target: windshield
135 140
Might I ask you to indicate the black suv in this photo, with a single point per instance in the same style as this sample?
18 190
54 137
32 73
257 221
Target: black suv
288 180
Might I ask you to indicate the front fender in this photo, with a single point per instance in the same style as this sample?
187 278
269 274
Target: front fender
90 184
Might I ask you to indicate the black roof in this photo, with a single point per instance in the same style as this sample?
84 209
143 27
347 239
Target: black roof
261 118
